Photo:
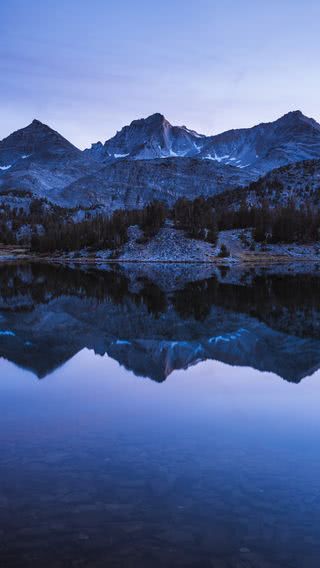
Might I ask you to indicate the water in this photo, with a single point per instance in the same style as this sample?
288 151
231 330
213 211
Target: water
159 417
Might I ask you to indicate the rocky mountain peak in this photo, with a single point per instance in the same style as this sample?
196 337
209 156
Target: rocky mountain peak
156 118
36 140
296 117
150 138
293 114
131 163
37 122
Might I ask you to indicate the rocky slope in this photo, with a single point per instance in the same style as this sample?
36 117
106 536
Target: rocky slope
150 138
150 159
291 138
38 161
52 168
133 183
36 140
267 146
298 183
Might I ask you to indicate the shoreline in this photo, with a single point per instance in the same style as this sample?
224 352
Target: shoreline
171 247
259 260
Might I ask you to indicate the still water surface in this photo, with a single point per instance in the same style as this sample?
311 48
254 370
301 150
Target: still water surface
157 435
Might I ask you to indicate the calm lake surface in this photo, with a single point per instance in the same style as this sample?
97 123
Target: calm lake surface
162 417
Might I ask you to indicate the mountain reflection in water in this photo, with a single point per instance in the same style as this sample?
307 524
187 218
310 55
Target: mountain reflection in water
216 467
156 320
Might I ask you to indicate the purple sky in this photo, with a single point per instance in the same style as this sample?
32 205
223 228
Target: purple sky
88 68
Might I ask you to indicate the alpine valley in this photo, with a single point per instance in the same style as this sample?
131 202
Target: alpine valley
271 164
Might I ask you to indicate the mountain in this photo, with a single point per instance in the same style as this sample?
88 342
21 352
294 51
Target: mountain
133 183
35 140
150 138
39 161
291 138
297 183
44 164
149 159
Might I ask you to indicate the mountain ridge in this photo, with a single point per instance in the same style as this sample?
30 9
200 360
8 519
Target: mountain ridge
150 159
155 137
149 138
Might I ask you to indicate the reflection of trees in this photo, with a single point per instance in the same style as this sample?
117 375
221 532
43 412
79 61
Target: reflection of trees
269 298
44 282
291 303
151 296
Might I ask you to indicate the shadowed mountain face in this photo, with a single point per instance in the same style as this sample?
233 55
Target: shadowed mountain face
39 162
289 139
297 183
150 138
36 140
149 159
154 325
131 184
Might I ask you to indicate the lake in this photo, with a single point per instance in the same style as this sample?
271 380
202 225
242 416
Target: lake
163 416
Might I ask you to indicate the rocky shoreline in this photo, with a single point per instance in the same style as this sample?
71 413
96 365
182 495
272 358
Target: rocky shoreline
171 246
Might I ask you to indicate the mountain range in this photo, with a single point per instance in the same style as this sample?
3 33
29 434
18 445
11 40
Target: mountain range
291 138
149 159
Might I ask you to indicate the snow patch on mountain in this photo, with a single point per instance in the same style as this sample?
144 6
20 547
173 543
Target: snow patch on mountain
129 170
217 158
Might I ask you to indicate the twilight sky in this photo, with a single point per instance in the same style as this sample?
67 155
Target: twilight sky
87 68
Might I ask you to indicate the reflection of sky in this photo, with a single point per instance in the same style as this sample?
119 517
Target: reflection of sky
90 391
87 68
221 451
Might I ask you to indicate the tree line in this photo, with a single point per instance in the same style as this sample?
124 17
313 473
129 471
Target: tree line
53 228
98 231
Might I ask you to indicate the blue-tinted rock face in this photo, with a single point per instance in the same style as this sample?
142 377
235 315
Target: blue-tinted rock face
153 137
289 139
36 140
150 159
